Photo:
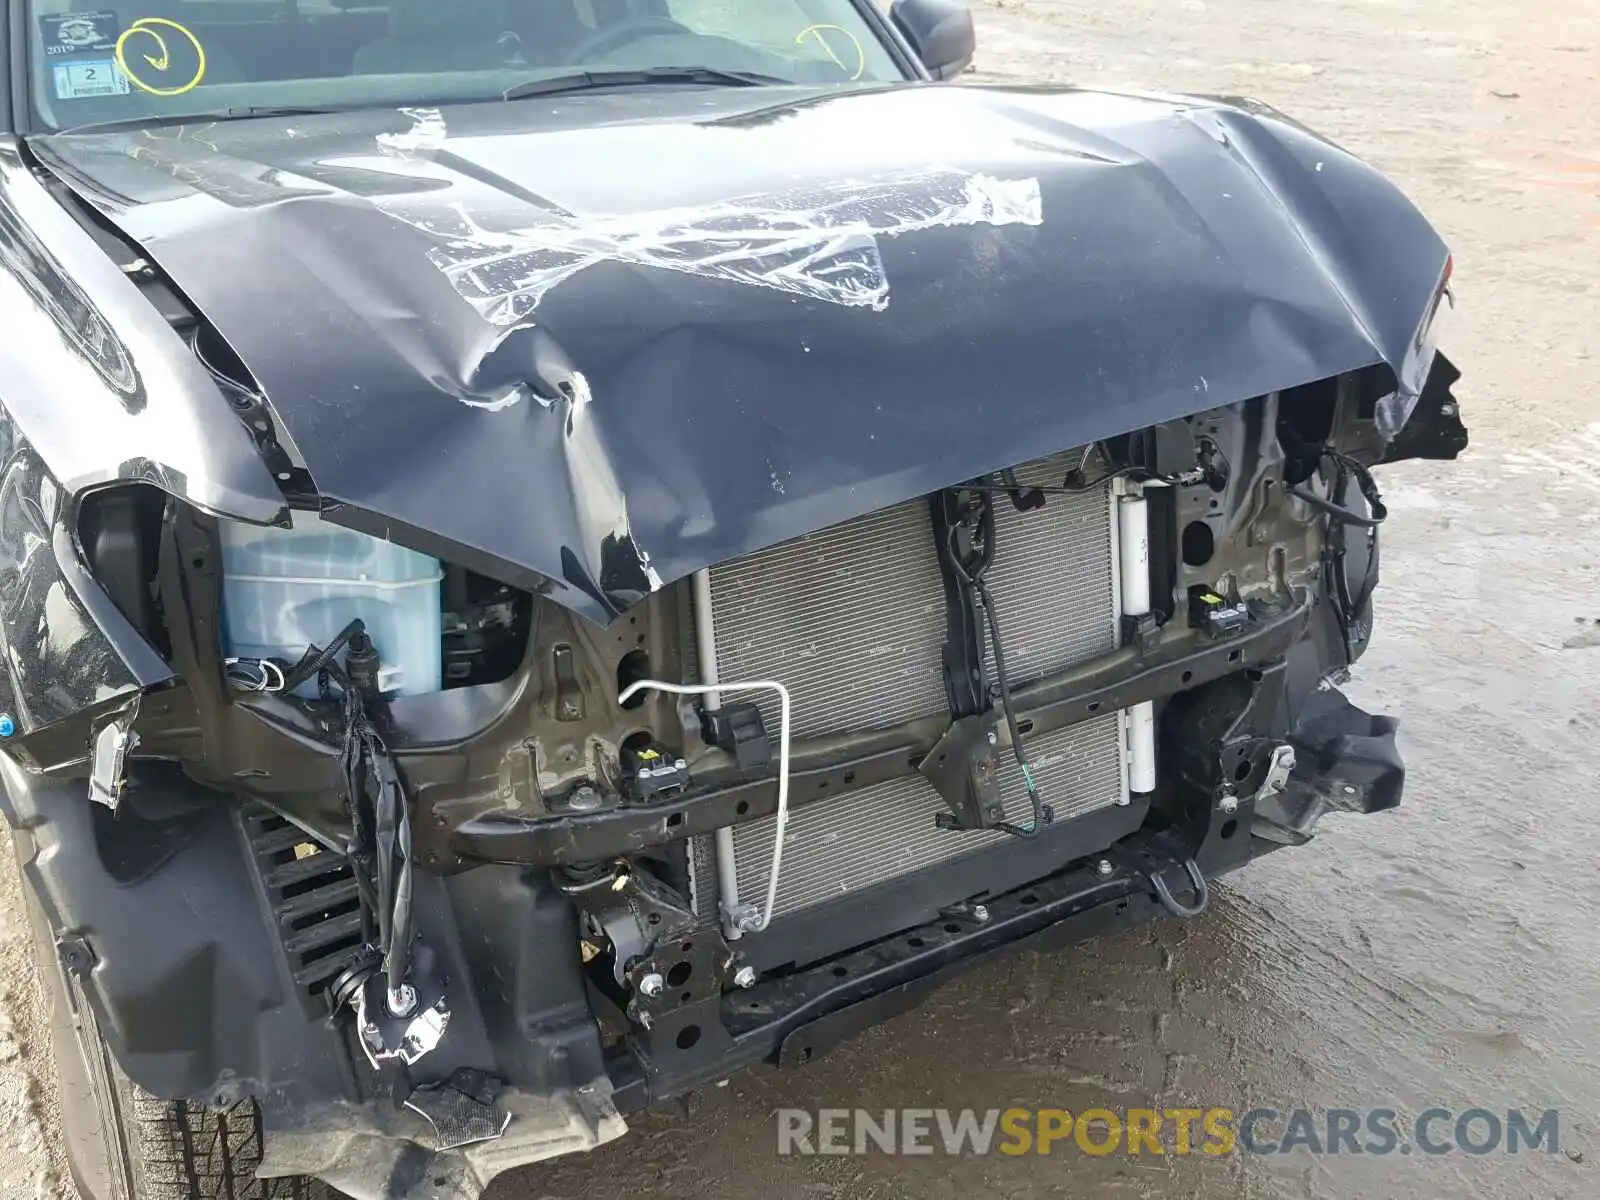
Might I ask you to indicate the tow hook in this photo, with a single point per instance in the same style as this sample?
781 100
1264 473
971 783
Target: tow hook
1197 881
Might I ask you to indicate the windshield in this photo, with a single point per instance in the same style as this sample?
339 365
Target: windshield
110 60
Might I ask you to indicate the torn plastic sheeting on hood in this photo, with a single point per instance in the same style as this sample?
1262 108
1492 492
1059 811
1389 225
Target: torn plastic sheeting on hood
820 242
427 132
817 241
694 284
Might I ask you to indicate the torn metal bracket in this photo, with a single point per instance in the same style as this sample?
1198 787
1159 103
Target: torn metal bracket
1280 764
569 692
108 756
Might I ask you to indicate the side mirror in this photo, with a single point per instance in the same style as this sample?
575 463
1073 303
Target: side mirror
940 31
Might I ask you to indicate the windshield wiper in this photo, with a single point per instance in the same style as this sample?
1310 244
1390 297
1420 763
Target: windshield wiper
582 81
155 120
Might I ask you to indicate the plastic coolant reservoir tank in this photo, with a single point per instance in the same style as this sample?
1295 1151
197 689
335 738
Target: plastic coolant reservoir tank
286 589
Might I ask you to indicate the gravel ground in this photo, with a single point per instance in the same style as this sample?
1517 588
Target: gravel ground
1442 955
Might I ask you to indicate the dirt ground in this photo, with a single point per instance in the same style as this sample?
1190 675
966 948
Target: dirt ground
1446 954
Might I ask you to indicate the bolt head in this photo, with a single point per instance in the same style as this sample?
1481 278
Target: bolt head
652 984
583 799
994 738
1229 804
980 913
1104 867
1349 790
745 977
76 956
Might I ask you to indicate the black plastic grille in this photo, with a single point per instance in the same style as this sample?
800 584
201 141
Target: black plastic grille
314 900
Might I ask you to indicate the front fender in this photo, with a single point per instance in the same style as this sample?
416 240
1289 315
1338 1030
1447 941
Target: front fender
95 388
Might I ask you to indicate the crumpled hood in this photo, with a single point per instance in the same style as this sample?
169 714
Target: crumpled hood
594 343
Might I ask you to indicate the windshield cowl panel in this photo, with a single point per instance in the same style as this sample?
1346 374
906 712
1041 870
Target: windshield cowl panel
165 60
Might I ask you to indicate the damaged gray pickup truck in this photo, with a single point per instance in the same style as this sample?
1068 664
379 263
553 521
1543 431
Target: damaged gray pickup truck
552 551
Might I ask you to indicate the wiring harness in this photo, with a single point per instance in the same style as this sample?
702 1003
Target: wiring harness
379 848
1348 605
969 549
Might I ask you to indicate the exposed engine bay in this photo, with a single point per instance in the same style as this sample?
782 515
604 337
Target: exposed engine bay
716 700
1118 661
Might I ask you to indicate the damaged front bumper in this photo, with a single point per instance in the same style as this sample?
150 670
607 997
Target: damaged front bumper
562 976
524 1074
203 854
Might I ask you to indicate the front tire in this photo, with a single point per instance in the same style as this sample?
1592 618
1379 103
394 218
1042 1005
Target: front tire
155 1149
124 1143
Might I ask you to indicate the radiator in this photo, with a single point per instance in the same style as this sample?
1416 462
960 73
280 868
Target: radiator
851 620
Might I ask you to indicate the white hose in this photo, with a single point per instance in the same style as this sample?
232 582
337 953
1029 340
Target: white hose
719 689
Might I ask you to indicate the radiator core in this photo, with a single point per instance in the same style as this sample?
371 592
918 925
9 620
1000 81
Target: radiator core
851 620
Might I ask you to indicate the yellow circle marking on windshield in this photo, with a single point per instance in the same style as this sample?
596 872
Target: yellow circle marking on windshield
162 59
817 31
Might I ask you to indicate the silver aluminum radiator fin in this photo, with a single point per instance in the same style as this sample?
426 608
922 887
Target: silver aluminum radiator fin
851 619
852 841
1053 578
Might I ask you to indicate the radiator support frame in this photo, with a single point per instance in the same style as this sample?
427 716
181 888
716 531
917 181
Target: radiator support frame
1111 682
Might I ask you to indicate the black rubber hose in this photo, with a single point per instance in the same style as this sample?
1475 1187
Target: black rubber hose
315 660
1338 512
1197 880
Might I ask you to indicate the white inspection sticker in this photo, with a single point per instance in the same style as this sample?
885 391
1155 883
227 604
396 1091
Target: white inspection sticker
89 77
